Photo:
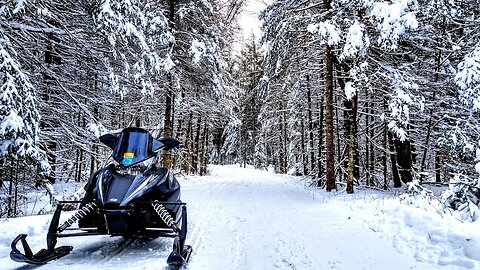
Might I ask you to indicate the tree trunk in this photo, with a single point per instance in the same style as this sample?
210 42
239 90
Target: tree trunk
372 148
202 150
167 124
188 145
52 160
304 151
10 191
350 164
203 170
320 143
404 159
196 151
241 147
80 166
310 125
393 158
384 158
438 178
330 147
353 172
285 141
15 198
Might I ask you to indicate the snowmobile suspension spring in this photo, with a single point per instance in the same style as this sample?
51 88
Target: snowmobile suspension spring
81 213
164 215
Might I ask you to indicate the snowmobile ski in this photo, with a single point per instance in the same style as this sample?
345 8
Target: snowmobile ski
41 257
179 256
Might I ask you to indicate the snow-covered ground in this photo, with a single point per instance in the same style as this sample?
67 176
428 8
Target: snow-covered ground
250 219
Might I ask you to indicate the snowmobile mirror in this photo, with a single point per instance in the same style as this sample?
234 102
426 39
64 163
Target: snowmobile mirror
109 140
167 143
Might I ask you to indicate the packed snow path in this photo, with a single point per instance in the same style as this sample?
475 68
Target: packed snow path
238 219
250 219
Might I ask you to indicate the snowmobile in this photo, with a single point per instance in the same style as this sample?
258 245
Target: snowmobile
130 197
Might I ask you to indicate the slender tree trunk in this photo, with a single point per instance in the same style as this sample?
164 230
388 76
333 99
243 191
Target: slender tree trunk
10 191
310 125
350 164
168 124
241 146
201 153
196 154
320 143
15 199
93 158
205 151
438 167
404 159
353 172
384 158
367 140
188 145
304 151
372 148
285 141
393 158
80 166
330 147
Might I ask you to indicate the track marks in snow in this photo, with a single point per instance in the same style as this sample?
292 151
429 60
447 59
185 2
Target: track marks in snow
201 216
250 222
260 220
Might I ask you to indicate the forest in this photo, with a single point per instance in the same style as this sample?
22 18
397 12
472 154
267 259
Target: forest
370 93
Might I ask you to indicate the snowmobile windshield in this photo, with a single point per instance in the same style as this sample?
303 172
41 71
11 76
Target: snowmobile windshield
134 146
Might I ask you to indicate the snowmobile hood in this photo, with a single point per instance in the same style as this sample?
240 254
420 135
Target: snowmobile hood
121 190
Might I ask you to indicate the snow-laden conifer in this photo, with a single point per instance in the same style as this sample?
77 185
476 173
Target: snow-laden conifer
19 118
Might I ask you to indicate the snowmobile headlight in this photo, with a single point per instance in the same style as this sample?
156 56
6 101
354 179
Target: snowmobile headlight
134 169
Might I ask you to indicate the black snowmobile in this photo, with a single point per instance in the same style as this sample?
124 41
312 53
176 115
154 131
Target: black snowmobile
130 197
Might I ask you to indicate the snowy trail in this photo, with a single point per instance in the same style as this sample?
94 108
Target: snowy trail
238 219
262 221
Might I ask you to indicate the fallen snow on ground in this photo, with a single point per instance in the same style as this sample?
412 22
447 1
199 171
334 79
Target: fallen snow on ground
433 237
250 219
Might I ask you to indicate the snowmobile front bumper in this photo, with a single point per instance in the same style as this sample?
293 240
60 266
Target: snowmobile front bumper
41 257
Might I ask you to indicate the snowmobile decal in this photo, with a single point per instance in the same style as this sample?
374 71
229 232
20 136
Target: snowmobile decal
128 158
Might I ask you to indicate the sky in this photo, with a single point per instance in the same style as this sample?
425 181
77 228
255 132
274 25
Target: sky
249 18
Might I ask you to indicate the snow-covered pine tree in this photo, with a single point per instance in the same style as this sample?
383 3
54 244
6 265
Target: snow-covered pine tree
19 123
291 56
247 70
143 28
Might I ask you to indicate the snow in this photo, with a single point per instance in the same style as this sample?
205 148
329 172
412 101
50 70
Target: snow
468 79
356 42
197 50
350 90
327 31
96 130
11 123
393 20
250 219
20 6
